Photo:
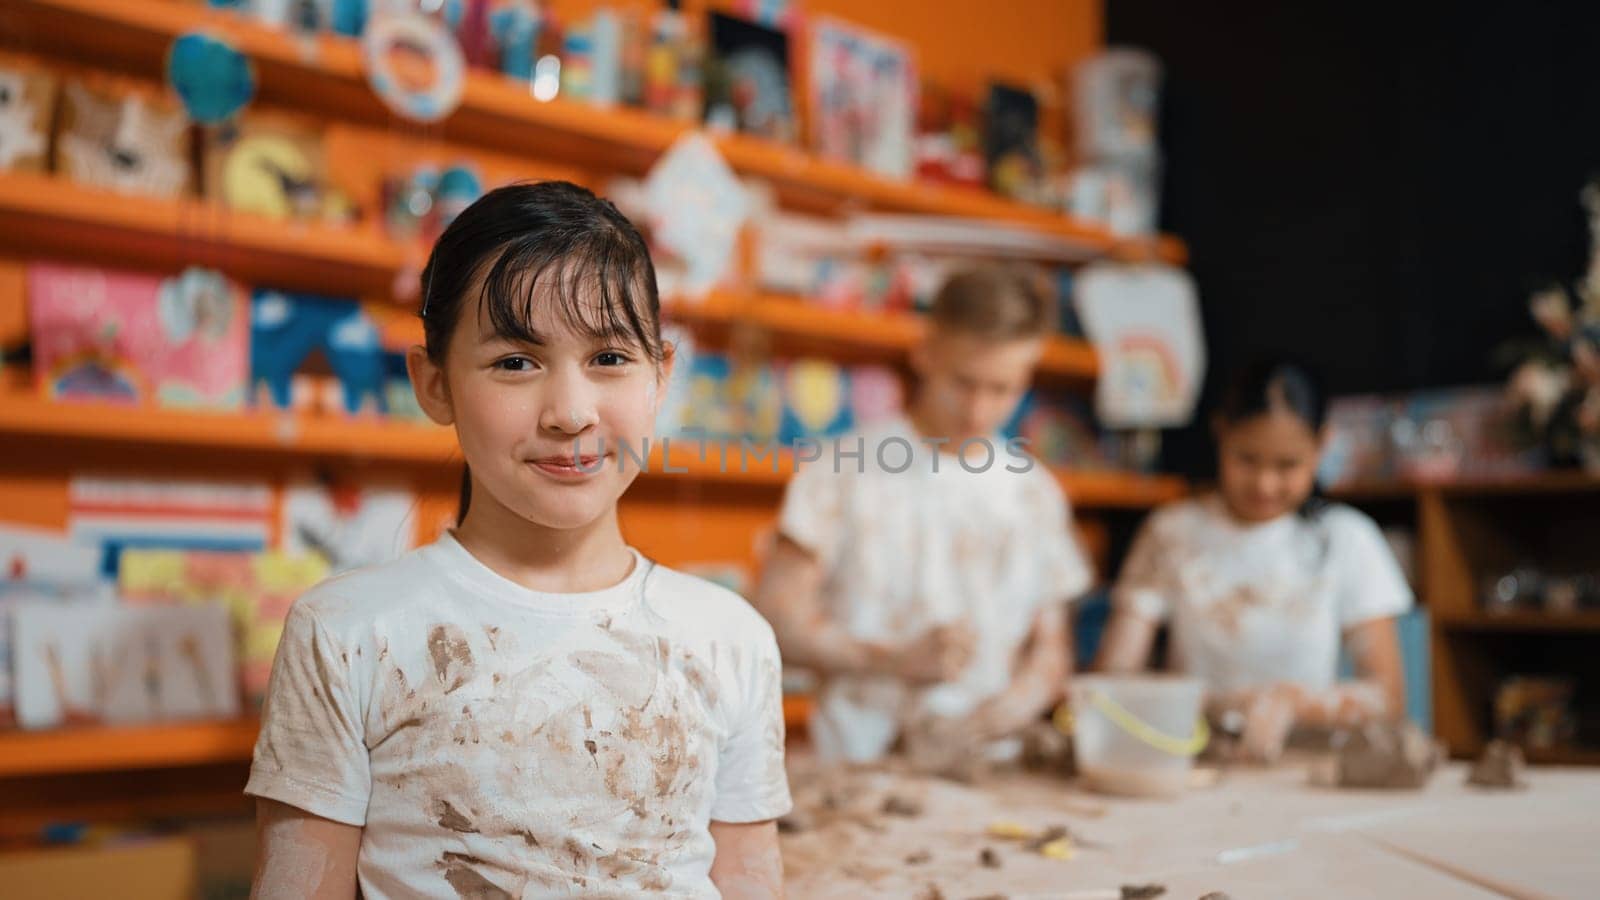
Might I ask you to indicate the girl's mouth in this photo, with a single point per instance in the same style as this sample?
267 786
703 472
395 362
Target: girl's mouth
569 467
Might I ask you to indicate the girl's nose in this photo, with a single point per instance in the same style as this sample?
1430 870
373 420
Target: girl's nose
569 407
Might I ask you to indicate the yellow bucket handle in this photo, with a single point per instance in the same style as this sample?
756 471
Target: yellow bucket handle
1137 727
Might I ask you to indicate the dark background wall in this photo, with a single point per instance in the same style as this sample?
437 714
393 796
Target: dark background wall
1371 189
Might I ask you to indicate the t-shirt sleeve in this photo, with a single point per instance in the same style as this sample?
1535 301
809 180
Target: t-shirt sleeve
1067 570
813 511
752 784
311 753
1371 585
1147 585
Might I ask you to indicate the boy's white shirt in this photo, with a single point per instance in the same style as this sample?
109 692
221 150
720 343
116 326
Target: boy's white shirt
495 739
1254 605
906 551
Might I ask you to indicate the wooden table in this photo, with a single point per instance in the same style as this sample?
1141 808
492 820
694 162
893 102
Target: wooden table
1253 834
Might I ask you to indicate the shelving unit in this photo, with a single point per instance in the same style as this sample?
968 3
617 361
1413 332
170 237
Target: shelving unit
1468 531
325 74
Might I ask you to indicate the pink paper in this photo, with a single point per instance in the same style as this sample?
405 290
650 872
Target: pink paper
126 337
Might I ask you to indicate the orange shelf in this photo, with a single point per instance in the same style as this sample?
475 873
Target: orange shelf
1109 489
801 326
317 436
117 747
497 113
26 415
54 216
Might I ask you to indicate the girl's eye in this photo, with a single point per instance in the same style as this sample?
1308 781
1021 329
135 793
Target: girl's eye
611 358
514 364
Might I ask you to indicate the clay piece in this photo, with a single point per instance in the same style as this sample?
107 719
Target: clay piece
1045 749
898 805
930 892
1142 891
1384 755
918 858
796 821
1216 895
1501 767
945 748
988 858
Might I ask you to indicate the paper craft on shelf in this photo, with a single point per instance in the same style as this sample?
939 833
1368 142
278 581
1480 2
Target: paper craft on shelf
27 105
1144 321
256 589
349 525
696 207
81 664
118 513
286 328
127 337
42 567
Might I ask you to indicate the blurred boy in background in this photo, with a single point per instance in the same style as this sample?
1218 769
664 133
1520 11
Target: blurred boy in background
926 580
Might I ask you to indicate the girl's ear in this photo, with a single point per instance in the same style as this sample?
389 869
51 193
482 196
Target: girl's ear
428 383
658 395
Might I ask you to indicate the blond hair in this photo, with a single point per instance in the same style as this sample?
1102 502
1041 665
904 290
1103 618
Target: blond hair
998 303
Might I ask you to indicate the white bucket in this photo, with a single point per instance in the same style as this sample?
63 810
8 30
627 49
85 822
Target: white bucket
1137 735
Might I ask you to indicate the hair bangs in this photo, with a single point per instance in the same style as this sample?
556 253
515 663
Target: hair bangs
595 285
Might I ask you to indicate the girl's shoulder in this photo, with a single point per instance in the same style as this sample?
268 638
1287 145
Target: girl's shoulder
361 595
699 604
1345 524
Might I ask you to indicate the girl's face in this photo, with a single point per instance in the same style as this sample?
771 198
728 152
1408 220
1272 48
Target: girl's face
541 424
1267 465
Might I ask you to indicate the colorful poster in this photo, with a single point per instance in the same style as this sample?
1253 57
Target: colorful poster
131 338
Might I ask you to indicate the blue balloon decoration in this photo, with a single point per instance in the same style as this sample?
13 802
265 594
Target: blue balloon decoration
349 17
213 79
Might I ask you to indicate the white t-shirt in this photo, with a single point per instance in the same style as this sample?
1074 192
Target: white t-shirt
499 742
905 551
1251 605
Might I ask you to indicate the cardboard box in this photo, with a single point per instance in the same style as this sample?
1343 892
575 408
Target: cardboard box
157 869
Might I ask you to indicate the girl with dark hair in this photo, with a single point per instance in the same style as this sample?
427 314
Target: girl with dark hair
1261 581
528 706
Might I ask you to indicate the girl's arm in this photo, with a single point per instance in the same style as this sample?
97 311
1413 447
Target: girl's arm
302 856
1125 647
1375 651
1376 693
748 865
